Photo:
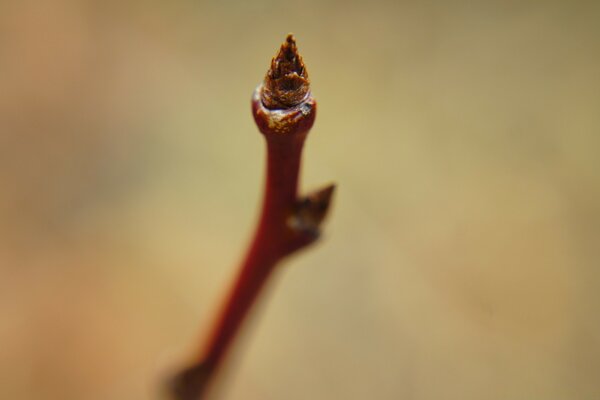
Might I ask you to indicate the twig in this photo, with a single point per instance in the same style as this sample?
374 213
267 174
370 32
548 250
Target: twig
284 111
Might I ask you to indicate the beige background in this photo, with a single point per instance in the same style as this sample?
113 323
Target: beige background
461 259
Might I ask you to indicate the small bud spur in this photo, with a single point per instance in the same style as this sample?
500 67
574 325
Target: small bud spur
310 211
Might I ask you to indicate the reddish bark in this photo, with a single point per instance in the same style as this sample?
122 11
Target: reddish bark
284 112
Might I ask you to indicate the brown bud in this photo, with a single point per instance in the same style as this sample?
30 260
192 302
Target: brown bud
286 83
282 103
311 210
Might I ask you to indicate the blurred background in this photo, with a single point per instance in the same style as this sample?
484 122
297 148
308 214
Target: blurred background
461 257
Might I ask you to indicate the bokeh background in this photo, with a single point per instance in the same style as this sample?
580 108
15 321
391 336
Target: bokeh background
461 260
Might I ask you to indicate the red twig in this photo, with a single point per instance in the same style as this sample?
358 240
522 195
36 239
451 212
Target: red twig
284 112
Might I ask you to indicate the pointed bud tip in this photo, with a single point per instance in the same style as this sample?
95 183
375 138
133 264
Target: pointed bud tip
286 84
312 210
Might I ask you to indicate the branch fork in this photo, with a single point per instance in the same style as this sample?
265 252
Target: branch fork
284 111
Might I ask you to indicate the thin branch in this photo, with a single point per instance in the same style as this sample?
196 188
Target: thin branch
284 111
